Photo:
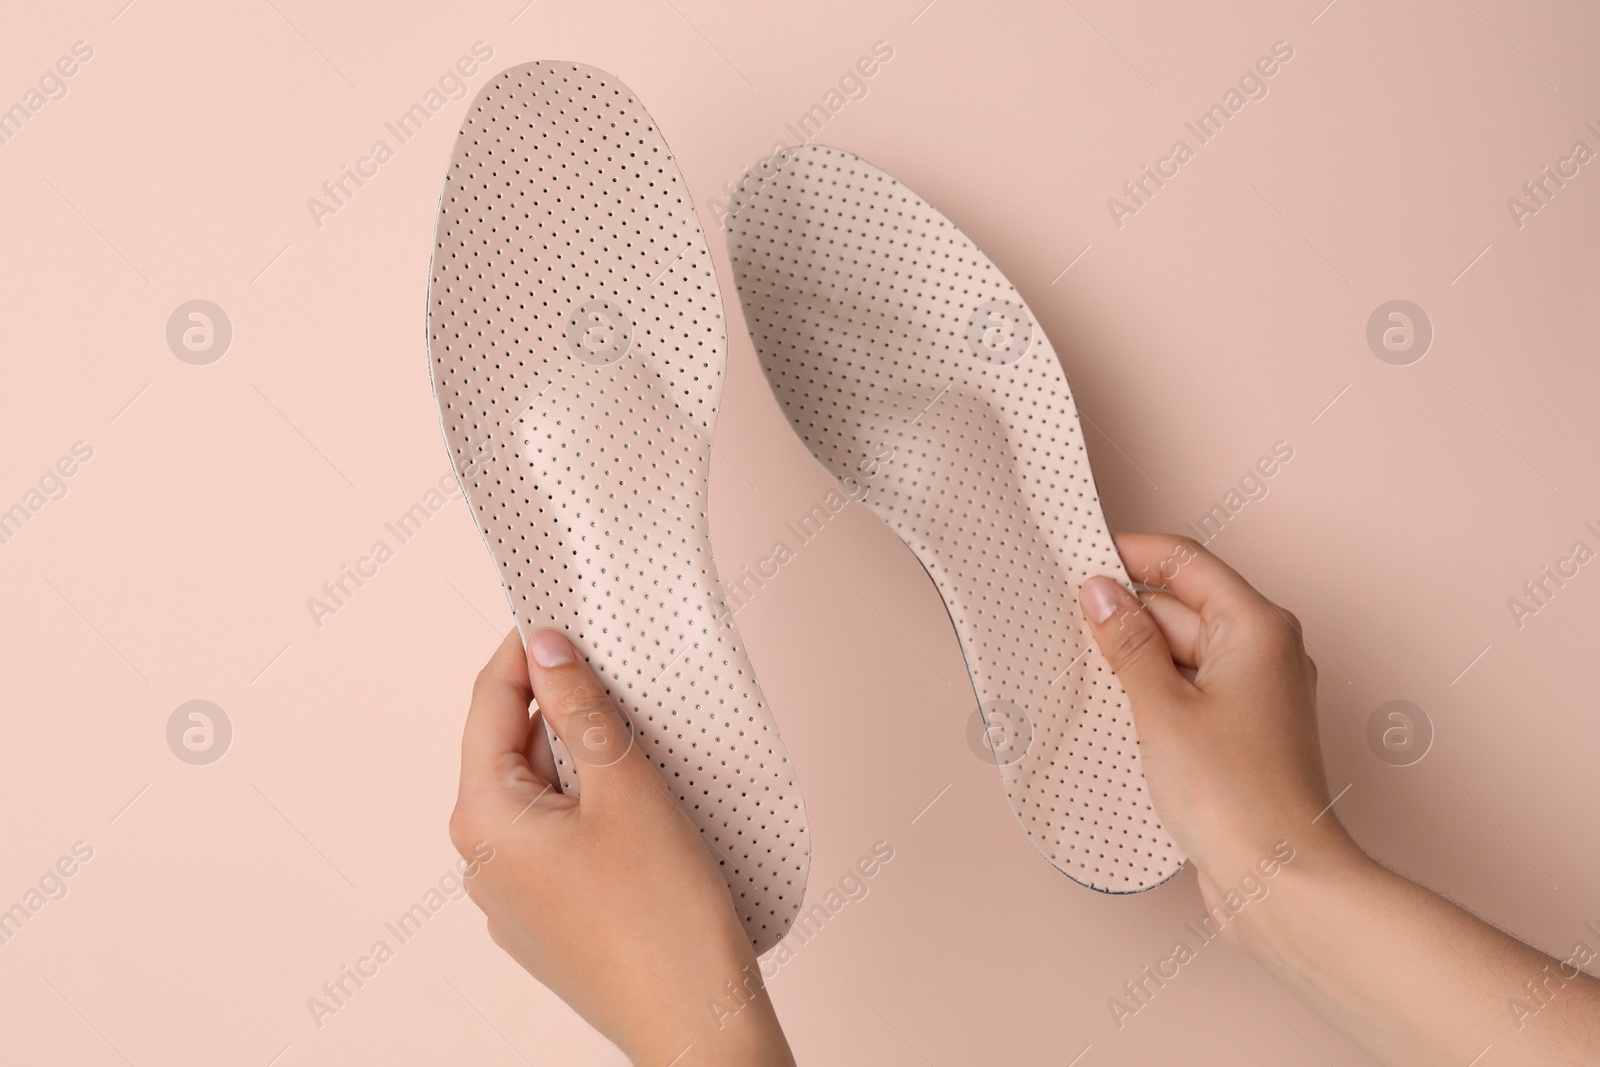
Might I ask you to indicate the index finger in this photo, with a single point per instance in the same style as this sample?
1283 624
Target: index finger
1182 566
497 720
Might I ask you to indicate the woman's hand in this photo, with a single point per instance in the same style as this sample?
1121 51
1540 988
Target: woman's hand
1231 754
613 899
1232 757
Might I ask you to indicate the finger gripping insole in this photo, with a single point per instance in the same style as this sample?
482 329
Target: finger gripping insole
892 342
577 346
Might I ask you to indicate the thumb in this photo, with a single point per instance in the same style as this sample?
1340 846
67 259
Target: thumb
1132 643
577 708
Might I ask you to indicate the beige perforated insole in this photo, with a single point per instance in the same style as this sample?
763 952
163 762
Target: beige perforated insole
577 340
884 331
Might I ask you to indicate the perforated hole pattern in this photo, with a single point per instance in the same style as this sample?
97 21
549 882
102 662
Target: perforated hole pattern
564 219
862 301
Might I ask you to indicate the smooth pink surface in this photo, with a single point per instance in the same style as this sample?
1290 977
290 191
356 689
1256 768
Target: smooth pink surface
1221 318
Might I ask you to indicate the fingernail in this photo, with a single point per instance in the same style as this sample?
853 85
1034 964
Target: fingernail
1100 599
550 649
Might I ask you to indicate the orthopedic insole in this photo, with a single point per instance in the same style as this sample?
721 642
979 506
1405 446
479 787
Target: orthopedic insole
577 342
895 347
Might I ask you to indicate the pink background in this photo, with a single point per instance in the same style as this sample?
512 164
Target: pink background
1226 315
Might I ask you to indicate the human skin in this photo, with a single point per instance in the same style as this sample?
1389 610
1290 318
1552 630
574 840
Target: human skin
1234 767
612 899
614 902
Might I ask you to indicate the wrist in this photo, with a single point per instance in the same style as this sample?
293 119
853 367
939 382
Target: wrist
1310 872
724 1016
752 1039
1241 838
1252 880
